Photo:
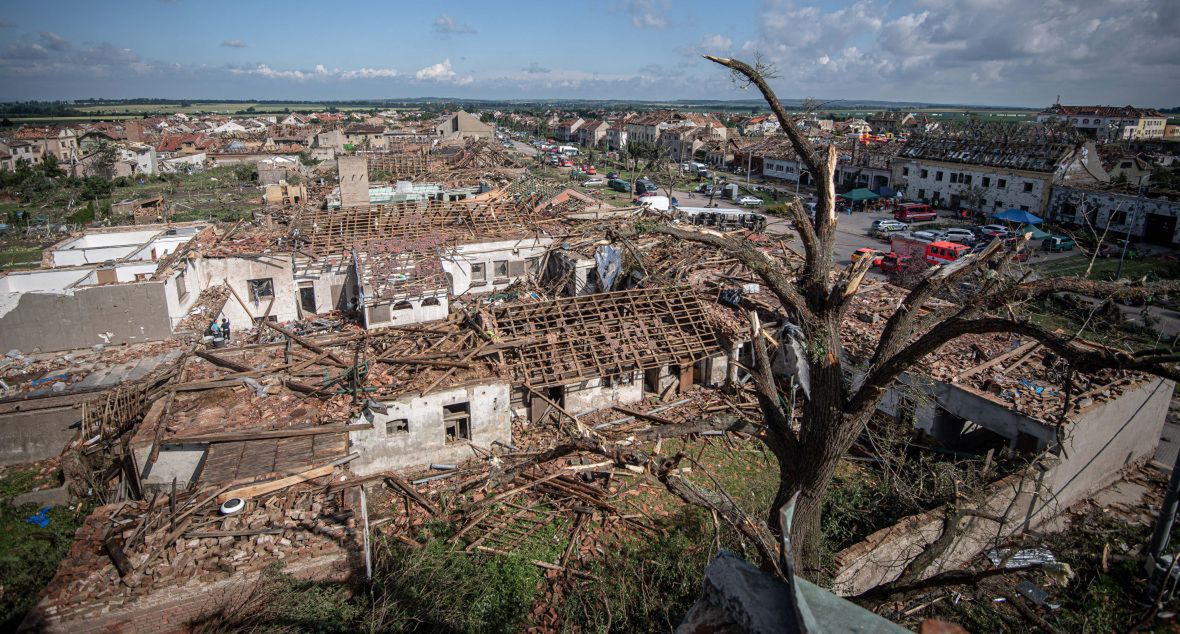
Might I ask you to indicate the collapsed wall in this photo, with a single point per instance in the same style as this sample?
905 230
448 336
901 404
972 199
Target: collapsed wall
1106 441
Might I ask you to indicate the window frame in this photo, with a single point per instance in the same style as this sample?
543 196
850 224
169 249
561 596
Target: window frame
252 289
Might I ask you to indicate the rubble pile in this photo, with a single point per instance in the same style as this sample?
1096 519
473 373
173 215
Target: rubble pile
126 551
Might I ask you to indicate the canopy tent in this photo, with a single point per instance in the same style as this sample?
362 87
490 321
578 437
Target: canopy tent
1018 215
858 195
1037 234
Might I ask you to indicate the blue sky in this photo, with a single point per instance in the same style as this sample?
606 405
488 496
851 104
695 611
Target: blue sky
991 52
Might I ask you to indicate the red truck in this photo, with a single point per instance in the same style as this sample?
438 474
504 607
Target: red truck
914 212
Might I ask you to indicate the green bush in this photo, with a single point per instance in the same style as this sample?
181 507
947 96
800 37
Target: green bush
646 585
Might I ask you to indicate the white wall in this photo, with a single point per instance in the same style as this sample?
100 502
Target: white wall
237 270
417 313
425 441
459 264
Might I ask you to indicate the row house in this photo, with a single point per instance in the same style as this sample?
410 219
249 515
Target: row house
591 132
60 142
616 135
992 175
1109 122
567 129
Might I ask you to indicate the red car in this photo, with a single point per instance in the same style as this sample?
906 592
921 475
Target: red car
875 254
894 263
590 169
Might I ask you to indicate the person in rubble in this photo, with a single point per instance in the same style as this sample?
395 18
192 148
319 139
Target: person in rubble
225 328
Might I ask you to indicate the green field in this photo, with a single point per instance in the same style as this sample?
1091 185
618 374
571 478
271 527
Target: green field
139 109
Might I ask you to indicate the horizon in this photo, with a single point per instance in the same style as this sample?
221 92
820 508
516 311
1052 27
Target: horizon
981 53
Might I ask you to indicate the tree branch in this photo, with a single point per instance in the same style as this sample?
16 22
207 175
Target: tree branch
769 271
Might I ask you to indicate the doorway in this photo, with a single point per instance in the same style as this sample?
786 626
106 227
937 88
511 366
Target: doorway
307 298
1159 229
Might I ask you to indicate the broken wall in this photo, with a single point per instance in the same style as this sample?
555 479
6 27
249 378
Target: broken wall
412 432
354 181
411 310
1106 441
504 262
238 271
109 314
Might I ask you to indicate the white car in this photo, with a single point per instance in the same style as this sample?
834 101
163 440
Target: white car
885 225
749 201
594 182
994 231
957 234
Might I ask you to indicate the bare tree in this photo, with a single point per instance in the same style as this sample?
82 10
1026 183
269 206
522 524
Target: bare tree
835 410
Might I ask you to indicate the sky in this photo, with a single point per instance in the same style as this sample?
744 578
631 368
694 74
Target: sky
980 52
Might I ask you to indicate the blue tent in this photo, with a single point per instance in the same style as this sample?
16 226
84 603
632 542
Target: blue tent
1018 215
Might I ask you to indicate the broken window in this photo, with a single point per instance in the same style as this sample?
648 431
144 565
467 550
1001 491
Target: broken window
181 285
532 265
479 275
905 171
1001 183
925 173
987 181
1027 186
1118 218
500 271
397 426
938 176
261 289
430 301
403 305
457 421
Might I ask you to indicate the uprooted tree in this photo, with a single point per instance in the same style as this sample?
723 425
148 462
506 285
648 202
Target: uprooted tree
835 408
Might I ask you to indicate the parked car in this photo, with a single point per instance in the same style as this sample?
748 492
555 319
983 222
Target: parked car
594 182
590 169
1055 244
706 189
883 225
994 231
960 235
867 252
914 212
930 236
611 175
942 252
749 201
619 185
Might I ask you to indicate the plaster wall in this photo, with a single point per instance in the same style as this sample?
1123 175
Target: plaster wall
383 448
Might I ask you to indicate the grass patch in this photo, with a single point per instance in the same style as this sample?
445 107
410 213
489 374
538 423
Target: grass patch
1105 268
29 554
20 258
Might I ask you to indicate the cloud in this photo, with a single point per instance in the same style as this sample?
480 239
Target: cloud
233 43
647 14
7 24
319 72
369 73
716 43
982 51
535 68
446 25
54 42
437 72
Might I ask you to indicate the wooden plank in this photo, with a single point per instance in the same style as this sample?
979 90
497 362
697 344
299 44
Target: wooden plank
638 414
255 490
275 433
